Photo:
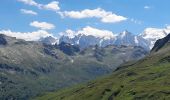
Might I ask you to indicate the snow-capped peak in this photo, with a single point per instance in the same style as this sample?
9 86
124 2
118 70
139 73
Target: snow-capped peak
153 34
88 36
125 34
125 38
96 32
91 36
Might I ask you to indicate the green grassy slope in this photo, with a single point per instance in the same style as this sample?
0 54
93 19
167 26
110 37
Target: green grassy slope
147 79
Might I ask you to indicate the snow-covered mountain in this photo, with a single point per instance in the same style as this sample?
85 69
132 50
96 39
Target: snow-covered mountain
87 37
153 34
129 39
101 38
91 36
125 38
87 40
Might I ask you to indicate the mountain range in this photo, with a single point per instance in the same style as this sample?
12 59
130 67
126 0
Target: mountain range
90 36
30 68
84 39
146 79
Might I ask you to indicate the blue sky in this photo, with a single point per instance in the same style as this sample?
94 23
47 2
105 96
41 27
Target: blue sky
139 14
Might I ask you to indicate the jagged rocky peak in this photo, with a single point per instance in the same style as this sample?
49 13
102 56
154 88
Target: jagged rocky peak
125 38
125 33
2 40
68 48
161 43
50 40
104 39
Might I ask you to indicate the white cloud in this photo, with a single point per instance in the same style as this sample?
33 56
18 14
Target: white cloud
28 36
30 12
54 5
42 25
30 2
147 7
104 16
89 31
113 18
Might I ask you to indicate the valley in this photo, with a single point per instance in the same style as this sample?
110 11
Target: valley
146 79
31 68
84 50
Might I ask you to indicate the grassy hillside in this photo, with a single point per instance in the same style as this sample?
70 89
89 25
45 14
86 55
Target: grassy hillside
31 68
147 79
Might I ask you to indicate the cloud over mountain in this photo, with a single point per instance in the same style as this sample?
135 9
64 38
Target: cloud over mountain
89 31
28 36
